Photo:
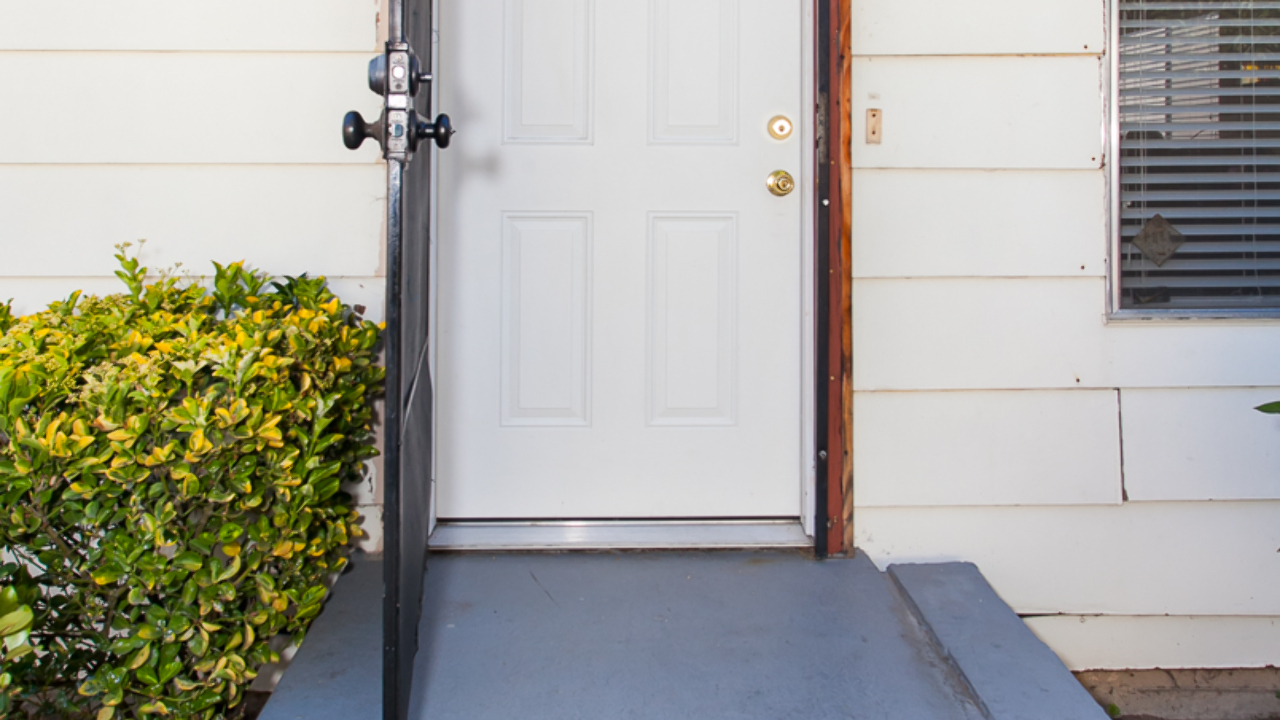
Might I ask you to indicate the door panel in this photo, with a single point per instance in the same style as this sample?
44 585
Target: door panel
620 295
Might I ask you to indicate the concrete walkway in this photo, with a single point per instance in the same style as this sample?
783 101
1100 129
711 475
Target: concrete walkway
685 635
671 636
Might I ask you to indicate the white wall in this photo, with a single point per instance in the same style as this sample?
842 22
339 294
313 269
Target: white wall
1102 475
208 127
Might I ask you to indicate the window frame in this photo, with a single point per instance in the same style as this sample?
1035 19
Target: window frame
1111 166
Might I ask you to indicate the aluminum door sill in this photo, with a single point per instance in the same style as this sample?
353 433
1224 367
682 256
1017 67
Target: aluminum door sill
620 535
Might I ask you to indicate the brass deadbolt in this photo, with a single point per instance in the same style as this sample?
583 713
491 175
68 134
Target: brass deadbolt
780 127
781 183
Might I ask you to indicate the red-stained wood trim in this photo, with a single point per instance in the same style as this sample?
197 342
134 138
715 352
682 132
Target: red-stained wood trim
845 269
835 177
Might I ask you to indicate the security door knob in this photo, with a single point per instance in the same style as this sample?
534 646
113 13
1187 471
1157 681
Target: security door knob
440 131
355 130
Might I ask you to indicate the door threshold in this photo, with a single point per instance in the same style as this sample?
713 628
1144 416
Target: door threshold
619 535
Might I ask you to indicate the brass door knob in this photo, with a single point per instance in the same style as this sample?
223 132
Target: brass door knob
781 183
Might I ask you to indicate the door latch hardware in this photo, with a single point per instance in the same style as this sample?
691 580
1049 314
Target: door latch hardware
355 130
397 76
439 131
780 183
780 127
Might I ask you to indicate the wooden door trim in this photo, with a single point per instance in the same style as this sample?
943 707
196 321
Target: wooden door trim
833 516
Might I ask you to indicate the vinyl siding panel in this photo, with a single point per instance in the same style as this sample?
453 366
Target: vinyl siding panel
1040 333
979 223
182 108
981 27
979 112
239 25
283 219
1109 642
986 448
1201 444
1131 559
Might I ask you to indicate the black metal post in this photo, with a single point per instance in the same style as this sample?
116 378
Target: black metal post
822 271
391 636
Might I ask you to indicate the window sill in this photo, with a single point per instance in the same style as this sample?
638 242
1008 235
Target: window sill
1269 315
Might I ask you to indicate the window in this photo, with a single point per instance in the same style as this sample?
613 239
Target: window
1198 100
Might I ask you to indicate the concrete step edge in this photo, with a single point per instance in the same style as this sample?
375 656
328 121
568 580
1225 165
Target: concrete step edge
1011 673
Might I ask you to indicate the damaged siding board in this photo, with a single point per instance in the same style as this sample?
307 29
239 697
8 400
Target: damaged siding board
1201 444
1038 333
236 25
1131 559
142 115
986 448
1050 223
980 112
1121 642
285 219
983 27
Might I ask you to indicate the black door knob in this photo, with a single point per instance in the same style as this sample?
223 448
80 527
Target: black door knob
440 131
355 130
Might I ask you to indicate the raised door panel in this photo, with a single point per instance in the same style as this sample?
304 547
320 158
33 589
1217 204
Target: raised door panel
549 71
693 74
546 319
692 317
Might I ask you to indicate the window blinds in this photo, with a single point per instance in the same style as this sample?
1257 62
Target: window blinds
1199 105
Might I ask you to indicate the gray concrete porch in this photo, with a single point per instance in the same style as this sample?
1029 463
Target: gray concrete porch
687 635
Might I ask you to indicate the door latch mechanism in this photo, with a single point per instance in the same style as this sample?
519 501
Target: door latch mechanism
397 76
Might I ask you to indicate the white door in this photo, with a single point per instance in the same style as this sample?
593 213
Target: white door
619 295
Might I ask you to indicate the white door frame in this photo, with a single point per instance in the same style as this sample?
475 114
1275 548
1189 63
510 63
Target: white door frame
675 533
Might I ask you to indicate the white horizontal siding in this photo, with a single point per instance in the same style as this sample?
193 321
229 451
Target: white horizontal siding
1039 333
986 448
30 295
979 112
283 219
979 223
309 25
984 27
1110 642
182 108
978 334
1201 444
1132 559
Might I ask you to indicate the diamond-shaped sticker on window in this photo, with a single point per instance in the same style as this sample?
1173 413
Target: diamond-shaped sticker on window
1159 240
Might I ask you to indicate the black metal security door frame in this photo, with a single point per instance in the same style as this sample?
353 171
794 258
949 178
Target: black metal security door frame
400 76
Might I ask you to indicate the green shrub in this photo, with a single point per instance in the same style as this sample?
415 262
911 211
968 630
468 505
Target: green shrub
170 463
15 630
